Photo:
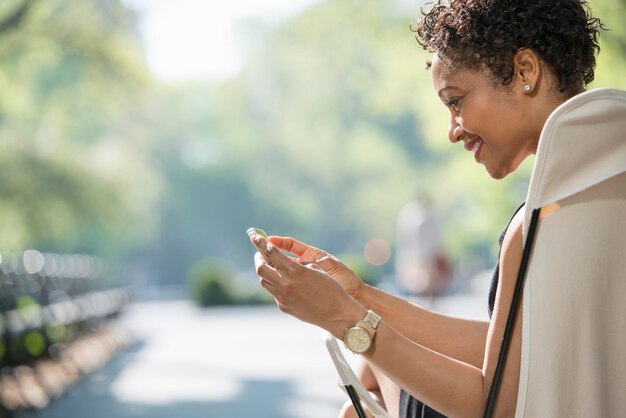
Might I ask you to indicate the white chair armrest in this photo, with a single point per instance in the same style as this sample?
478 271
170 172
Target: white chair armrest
348 377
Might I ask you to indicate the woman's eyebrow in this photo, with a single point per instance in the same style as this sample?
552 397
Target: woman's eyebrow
442 90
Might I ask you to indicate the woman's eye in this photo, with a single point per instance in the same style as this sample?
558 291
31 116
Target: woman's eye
453 103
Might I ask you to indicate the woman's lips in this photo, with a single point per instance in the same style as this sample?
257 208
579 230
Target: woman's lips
475 145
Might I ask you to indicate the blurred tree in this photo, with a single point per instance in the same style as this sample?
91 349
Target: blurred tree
347 120
298 144
612 59
69 72
331 128
333 108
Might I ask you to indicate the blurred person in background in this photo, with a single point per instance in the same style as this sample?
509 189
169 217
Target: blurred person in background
501 68
421 264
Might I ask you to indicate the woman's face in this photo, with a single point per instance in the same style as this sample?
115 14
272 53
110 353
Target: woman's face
491 120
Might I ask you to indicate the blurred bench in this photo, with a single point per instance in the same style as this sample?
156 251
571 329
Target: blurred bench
56 325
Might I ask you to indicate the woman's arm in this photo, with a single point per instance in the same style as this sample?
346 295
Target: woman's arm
454 337
453 387
457 338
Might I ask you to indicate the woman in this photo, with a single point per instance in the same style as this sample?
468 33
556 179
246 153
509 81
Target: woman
501 67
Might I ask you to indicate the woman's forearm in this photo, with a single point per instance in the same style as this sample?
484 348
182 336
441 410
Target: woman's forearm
457 338
450 386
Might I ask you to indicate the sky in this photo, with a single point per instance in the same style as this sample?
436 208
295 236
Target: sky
206 30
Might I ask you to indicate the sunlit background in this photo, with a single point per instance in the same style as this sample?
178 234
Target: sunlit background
139 139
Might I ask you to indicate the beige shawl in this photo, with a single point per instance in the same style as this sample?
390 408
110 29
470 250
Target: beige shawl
574 305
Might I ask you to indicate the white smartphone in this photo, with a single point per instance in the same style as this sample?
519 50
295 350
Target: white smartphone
252 231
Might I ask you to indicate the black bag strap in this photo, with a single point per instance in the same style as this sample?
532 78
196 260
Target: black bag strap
508 330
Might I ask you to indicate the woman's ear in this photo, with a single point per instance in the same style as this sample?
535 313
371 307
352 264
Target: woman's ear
527 70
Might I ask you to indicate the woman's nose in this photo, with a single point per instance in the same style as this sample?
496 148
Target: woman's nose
455 132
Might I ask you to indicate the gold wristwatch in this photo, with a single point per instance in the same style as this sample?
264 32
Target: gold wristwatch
359 338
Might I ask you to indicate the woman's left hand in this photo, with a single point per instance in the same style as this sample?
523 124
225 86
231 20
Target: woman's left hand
304 291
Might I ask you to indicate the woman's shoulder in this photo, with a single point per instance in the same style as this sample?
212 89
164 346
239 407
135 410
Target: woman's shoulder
513 231
511 249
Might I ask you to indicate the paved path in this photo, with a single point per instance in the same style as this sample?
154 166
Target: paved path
219 363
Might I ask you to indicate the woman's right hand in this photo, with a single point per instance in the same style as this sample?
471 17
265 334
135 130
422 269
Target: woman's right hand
307 254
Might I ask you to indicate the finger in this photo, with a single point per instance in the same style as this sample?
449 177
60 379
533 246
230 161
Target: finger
329 264
324 262
267 276
264 271
289 244
256 240
272 290
268 286
272 254
313 266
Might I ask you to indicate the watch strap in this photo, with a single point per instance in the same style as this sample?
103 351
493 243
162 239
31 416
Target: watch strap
372 319
370 322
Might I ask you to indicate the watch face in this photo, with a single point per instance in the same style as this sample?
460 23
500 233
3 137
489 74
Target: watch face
357 339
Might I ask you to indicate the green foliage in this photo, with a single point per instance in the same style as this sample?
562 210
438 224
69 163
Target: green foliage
57 333
344 114
212 283
35 343
339 149
611 65
331 128
69 73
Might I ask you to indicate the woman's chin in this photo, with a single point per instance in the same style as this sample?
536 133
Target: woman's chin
497 173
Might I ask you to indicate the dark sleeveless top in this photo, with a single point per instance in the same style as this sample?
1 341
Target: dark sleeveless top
411 407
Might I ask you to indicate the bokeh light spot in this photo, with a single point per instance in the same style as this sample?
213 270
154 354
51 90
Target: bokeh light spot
377 251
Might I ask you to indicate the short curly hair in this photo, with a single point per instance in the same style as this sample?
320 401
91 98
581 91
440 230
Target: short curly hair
476 34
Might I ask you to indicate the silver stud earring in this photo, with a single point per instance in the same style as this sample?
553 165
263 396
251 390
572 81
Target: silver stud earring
527 88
